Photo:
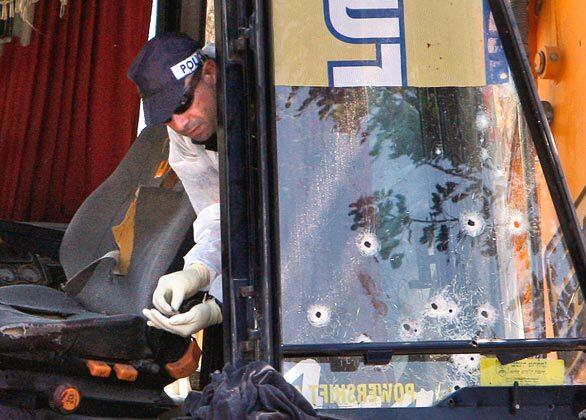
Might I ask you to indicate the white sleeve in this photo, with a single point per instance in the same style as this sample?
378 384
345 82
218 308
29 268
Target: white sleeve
208 247
199 175
216 288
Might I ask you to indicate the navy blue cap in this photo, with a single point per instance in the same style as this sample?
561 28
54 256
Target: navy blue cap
159 70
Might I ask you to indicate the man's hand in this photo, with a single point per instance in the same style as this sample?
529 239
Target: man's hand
197 318
169 295
174 288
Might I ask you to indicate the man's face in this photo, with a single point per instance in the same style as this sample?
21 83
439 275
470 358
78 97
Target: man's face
199 120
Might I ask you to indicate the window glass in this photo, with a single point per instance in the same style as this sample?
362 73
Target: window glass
415 381
414 214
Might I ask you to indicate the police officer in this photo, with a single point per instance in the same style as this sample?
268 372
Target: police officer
177 83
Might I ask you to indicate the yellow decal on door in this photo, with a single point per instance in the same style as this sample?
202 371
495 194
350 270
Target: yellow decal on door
525 372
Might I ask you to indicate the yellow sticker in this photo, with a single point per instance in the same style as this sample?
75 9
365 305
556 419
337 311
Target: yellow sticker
525 372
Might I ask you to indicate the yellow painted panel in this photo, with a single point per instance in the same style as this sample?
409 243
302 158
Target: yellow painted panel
303 45
445 43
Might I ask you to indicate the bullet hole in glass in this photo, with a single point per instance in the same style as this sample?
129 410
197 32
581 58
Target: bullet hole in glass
319 315
482 121
486 314
472 223
368 244
407 327
516 223
362 338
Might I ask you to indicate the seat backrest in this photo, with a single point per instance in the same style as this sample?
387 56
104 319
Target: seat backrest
162 221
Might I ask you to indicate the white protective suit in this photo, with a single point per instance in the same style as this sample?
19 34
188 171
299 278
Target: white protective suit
197 168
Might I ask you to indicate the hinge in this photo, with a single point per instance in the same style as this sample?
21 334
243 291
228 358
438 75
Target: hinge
245 39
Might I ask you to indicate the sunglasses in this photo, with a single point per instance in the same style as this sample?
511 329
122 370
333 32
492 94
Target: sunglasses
187 97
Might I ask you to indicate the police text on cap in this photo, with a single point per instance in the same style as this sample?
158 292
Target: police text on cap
187 66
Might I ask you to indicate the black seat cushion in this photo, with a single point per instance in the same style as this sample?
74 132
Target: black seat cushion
39 299
88 334
38 318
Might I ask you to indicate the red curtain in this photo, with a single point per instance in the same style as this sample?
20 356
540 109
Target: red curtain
68 113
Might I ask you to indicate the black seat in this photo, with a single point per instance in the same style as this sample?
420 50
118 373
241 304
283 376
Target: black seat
100 317
60 323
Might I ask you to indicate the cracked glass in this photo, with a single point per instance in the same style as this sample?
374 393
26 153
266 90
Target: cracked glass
417 214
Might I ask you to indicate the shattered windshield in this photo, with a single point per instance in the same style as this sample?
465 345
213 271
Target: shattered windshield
416 214
412 205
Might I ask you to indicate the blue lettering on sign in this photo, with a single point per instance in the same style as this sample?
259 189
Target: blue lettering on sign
497 68
378 22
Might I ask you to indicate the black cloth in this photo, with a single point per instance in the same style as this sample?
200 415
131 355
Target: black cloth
212 356
252 392
209 144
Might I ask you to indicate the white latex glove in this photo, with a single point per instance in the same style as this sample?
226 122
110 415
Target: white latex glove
174 288
197 318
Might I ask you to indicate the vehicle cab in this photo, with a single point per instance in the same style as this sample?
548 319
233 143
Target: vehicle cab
398 238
